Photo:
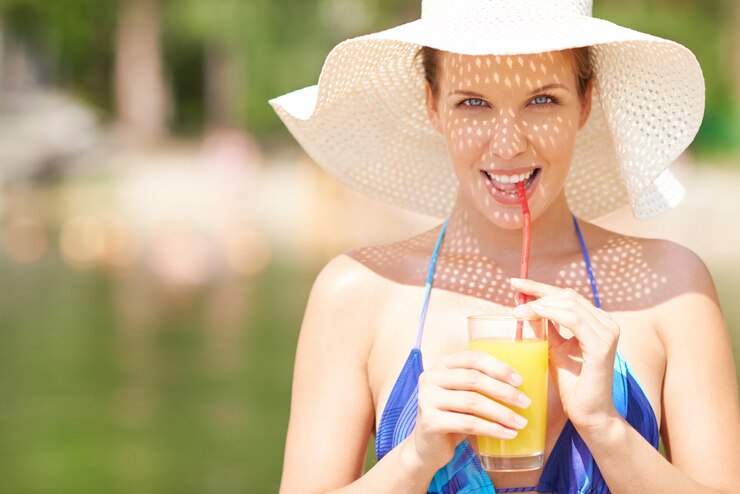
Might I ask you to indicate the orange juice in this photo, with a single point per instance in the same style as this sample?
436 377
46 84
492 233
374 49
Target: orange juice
529 358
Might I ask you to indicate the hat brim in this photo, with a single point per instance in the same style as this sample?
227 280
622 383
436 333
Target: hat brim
365 121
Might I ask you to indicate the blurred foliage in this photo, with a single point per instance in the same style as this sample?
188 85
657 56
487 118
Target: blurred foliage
280 46
90 402
71 40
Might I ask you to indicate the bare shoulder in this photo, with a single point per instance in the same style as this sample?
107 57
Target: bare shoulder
341 279
686 290
344 291
404 261
686 299
640 273
354 287
361 270
681 268
666 281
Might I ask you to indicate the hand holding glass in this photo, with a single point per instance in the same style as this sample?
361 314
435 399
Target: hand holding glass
496 334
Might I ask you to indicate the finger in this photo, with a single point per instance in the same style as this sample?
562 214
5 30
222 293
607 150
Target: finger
607 321
531 287
463 423
570 299
474 380
483 362
569 318
473 403
600 321
582 310
542 290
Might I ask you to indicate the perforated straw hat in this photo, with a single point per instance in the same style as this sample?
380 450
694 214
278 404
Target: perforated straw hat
365 122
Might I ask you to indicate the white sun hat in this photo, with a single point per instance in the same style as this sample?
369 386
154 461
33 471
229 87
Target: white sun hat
366 123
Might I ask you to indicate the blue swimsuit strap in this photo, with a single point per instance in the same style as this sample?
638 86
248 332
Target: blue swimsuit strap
587 260
428 287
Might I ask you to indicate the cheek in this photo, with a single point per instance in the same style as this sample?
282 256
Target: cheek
466 136
551 133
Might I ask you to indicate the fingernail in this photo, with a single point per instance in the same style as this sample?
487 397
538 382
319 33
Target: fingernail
522 311
537 306
524 401
515 281
516 379
509 433
520 421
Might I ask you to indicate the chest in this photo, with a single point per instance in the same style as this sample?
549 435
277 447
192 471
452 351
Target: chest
445 331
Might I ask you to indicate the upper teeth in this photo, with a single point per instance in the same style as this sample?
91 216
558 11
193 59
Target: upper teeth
511 179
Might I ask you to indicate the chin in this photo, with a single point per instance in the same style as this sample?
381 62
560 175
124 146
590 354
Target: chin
506 218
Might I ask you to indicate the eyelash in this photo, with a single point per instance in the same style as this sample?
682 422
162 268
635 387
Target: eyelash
553 101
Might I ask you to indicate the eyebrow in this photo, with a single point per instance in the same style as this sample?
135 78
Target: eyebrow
473 94
549 86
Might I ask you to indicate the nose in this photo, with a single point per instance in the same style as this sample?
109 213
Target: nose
507 139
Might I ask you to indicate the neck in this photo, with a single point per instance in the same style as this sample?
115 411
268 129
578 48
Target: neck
471 233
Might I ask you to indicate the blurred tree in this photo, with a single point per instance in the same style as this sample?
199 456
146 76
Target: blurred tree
70 41
218 32
140 94
734 31
222 60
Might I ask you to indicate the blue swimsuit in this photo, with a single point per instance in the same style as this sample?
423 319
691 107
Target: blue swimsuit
570 468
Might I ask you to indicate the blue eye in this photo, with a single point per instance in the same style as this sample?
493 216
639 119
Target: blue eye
473 102
544 99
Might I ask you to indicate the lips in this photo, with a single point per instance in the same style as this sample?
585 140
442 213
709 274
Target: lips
502 186
507 182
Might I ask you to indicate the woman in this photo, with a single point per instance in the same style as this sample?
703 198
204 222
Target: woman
588 115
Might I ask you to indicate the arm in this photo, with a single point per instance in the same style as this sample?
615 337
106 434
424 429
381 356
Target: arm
332 415
701 427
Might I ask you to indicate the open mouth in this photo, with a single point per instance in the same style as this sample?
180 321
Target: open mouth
506 183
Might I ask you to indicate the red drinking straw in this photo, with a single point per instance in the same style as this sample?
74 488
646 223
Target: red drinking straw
524 266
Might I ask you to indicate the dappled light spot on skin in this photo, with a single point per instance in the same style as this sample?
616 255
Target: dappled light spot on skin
522 122
625 280
622 274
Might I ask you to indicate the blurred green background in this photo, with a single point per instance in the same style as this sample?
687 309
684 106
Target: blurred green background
160 230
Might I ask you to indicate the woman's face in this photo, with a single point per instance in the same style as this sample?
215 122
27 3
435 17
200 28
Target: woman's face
507 119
